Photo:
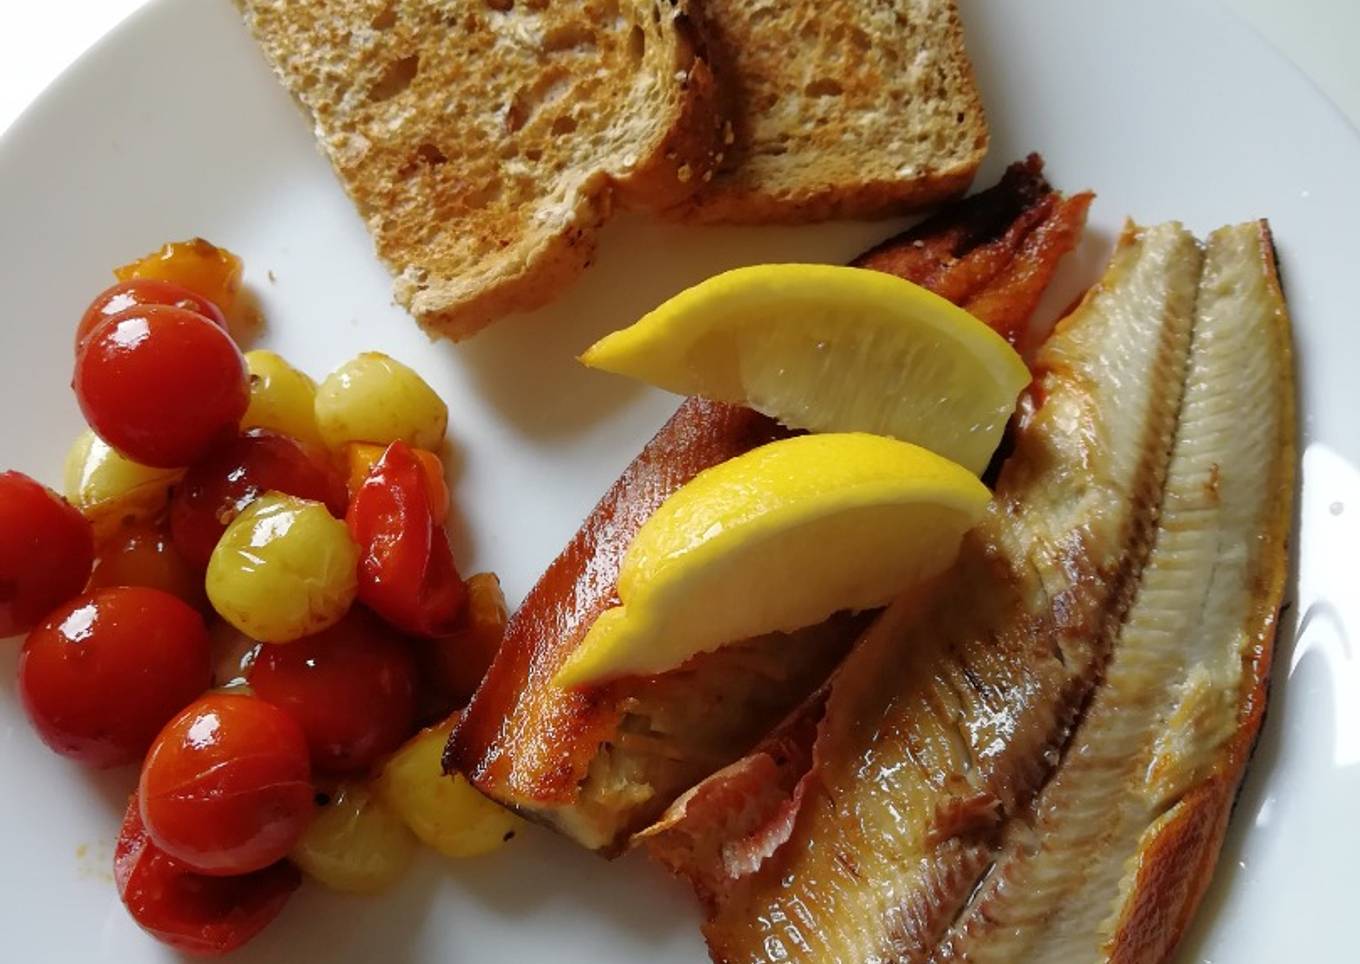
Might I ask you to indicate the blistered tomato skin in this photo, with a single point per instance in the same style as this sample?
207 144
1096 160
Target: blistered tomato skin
196 264
236 473
226 788
161 384
360 457
282 398
352 689
103 674
46 551
356 844
285 568
200 915
143 554
374 398
406 569
143 291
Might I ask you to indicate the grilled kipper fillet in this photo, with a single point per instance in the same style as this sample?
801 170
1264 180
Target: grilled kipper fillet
602 763
1114 853
1036 764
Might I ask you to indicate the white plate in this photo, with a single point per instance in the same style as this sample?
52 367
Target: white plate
173 126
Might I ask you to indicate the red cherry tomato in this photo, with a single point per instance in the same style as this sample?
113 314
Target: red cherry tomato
236 473
106 671
162 385
46 550
143 554
193 912
352 688
226 788
406 570
143 291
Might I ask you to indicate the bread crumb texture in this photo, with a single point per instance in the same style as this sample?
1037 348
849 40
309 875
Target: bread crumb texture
485 141
841 108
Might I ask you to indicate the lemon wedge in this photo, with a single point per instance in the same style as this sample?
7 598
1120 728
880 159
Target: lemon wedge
827 348
776 539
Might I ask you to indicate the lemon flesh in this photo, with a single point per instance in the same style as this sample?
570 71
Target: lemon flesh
776 539
828 348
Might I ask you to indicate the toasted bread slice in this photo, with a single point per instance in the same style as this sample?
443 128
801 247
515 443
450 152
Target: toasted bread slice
485 141
841 108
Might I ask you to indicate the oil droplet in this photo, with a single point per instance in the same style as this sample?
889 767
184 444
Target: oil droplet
1336 508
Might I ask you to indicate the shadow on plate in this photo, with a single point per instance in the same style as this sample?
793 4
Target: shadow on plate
538 884
526 365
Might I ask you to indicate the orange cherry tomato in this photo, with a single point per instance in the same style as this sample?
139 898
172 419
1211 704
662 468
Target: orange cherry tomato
143 554
192 912
362 456
143 291
199 265
406 570
235 474
46 550
162 385
352 688
106 671
226 788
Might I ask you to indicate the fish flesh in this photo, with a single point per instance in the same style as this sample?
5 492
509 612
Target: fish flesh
1035 760
601 763
1137 810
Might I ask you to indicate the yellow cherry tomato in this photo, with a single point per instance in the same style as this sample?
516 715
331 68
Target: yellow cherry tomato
356 843
445 812
374 398
285 568
111 489
282 398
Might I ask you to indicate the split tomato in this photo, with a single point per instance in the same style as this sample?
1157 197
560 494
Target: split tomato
192 912
226 788
406 570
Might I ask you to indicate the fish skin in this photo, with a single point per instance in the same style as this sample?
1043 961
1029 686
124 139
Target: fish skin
950 713
992 253
534 747
524 741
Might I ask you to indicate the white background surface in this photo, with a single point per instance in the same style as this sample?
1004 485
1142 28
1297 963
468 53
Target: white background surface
119 159
41 38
